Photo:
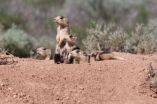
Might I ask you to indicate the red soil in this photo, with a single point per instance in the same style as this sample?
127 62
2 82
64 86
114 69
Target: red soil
107 82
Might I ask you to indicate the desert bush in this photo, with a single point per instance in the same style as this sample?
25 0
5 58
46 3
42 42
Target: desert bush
19 43
142 40
16 42
105 37
101 37
117 40
45 42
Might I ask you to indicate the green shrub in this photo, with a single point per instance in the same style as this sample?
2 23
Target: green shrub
16 42
142 40
20 44
101 37
46 42
95 37
118 40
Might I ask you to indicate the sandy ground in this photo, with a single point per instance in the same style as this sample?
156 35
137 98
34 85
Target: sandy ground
107 82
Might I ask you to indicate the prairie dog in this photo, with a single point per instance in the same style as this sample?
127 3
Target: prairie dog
63 39
42 53
77 56
99 56
69 45
62 30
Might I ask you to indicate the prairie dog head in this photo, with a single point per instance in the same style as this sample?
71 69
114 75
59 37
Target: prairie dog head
61 21
43 53
41 50
79 55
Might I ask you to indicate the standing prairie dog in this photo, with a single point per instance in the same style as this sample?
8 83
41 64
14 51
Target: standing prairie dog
62 30
100 56
63 38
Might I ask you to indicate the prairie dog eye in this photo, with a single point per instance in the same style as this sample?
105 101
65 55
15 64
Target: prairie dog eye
61 17
44 48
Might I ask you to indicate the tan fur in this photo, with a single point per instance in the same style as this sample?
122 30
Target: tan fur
69 45
63 39
100 56
79 56
64 42
43 53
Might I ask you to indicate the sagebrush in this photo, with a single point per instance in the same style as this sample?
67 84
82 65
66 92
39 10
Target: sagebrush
19 43
16 42
111 37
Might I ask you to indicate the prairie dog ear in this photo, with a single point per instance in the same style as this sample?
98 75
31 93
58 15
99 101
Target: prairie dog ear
44 48
58 17
61 17
41 49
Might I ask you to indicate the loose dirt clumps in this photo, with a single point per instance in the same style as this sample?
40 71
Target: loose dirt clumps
100 82
150 83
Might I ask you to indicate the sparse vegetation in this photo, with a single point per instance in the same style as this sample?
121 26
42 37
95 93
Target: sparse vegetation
142 40
16 42
35 18
101 37
19 43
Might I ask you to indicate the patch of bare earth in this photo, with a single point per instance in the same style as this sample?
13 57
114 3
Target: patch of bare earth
108 82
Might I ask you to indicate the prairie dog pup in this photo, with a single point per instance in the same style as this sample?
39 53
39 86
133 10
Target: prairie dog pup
69 44
42 53
99 56
76 56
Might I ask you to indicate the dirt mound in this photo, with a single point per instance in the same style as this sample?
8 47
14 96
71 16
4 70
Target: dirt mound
108 82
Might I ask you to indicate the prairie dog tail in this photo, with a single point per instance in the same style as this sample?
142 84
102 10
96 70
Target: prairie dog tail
118 58
107 57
